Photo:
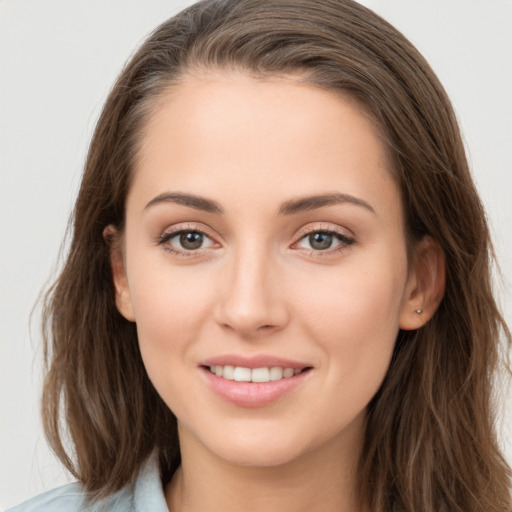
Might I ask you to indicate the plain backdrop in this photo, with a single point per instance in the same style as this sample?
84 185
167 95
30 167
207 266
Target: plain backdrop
58 59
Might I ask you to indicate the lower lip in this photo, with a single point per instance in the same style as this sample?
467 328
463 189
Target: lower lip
252 394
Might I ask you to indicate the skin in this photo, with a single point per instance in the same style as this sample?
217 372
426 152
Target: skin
257 285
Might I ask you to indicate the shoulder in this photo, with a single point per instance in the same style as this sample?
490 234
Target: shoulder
73 498
68 497
143 494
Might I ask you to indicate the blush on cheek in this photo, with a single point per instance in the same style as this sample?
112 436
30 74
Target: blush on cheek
173 300
357 324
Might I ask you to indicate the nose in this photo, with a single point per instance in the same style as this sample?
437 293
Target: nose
252 297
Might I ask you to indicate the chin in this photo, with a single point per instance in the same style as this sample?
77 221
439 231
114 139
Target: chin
250 456
257 447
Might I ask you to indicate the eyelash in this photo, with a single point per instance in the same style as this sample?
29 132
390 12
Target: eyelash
169 235
345 241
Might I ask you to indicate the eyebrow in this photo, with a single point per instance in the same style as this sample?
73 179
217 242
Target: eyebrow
290 207
308 203
192 201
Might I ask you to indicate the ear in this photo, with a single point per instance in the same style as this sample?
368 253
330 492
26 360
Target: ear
425 285
117 263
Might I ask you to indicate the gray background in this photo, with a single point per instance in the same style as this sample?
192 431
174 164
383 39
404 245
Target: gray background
58 59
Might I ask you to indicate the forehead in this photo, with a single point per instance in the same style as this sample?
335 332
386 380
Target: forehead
272 136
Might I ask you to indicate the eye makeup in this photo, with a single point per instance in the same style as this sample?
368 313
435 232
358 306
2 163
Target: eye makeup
325 242
185 235
190 241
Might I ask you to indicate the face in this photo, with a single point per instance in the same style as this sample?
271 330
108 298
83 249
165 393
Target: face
264 263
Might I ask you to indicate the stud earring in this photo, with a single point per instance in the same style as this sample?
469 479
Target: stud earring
419 311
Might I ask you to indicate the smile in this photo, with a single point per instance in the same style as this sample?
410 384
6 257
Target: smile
242 374
254 381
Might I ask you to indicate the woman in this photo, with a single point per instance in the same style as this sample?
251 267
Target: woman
280 258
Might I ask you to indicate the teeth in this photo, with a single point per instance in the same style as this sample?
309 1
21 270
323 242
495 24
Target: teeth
288 372
260 375
229 372
241 374
276 373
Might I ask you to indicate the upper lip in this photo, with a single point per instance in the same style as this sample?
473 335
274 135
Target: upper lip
257 361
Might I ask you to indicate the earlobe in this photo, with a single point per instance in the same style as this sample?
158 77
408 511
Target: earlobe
117 264
425 286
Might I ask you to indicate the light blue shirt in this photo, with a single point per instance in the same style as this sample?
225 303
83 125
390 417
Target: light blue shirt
145 494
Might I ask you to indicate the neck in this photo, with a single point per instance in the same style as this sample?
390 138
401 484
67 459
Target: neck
323 480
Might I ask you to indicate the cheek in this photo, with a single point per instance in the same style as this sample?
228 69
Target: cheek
170 313
361 298
171 305
353 315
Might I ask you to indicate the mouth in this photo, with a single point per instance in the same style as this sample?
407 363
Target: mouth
255 381
259 375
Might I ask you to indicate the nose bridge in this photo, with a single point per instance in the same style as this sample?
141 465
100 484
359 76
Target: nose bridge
252 301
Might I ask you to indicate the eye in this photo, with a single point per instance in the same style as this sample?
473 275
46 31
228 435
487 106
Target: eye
324 241
184 241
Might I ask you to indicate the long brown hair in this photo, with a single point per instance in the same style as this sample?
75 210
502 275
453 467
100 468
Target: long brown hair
430 442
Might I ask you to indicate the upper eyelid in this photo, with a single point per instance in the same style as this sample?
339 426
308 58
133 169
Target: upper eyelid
326 228
301 232
172 230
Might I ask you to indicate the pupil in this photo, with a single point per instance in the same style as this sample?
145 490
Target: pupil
191 240
320 240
